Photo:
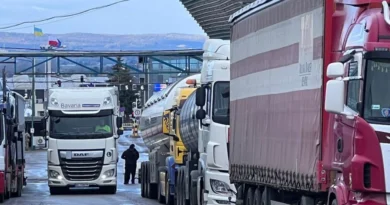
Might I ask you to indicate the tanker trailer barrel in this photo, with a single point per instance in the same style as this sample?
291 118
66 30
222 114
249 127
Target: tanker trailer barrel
151 119
189 126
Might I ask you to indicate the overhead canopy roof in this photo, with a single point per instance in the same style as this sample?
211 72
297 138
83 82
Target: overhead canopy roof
213 15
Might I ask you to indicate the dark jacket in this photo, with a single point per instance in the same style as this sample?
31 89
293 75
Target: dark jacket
131 156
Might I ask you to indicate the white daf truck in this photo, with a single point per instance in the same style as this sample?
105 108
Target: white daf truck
83 128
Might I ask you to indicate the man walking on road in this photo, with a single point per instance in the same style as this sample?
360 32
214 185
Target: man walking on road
130 156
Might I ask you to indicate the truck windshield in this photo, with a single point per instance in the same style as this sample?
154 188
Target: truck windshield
221 103
81 127
377 91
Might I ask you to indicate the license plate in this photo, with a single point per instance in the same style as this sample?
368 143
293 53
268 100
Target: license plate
81 185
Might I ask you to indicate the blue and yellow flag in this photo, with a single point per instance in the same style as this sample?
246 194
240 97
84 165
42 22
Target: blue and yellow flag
38 31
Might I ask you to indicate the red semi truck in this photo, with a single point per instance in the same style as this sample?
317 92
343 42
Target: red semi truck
310 102
12 146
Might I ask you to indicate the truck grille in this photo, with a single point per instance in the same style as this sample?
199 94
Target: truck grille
81 169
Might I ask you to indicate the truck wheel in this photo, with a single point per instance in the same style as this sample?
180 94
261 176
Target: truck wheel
249 196
160 197
179 189
7 193
57 190
169 199
143 182
334 202
143 190
2 198
193 188
108 189
147 189
185 200
240 195
182 188
151 188
19 187
257 197
267 195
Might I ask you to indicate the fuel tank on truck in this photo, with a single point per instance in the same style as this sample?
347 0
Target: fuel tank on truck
151 118
189 126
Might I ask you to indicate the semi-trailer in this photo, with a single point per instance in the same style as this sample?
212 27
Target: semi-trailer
309 102
192 166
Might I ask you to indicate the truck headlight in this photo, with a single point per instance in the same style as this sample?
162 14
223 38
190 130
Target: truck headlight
54 175
54 101
107 101
108 173
219 187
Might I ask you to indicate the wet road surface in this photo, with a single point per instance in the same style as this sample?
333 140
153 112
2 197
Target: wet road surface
37 191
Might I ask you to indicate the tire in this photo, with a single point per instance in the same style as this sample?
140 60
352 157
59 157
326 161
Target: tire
169 199
249 196
2 198
108 189
334 202
183 184
147 185
267 195
143 190
179 189
7 193
19 187
57 190
240 195
193 188
160 198
257 197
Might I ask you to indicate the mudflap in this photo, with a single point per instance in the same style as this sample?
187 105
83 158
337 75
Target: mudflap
2 182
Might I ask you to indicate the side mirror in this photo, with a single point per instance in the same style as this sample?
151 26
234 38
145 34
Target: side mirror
359 107
200 114
201 96
335 96
119 132
118 122
335 70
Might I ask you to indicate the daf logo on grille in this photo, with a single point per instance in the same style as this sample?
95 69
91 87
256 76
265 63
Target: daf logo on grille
80 154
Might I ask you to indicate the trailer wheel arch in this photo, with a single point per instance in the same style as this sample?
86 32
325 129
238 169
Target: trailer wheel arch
337 192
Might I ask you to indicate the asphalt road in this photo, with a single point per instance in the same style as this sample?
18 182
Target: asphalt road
37 192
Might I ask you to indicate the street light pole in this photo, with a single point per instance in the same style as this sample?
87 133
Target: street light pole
33 103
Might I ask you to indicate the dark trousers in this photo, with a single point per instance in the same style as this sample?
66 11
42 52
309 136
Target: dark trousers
130 169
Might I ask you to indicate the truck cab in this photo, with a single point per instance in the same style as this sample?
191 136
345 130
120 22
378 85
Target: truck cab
214 116
83 125
357 97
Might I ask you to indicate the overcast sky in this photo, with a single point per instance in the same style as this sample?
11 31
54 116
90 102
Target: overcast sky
133 17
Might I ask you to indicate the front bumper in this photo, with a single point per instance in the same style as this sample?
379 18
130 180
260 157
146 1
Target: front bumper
213 198
101 181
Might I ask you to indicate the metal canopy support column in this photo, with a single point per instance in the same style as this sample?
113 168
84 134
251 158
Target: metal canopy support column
58 65
165 63
79 64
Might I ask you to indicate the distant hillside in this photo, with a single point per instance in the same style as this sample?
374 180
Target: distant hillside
87 41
